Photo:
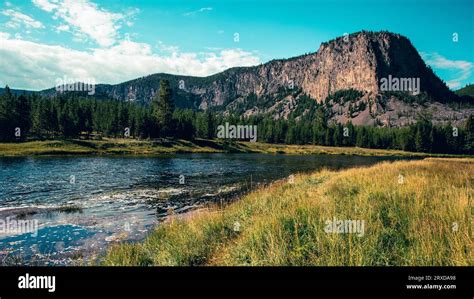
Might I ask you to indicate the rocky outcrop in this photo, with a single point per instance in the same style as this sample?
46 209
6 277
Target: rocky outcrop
358 61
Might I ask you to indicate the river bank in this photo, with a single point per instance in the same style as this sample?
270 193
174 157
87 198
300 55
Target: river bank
121 146
414 213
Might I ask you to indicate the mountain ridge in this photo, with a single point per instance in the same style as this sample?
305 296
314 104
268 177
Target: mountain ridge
355 61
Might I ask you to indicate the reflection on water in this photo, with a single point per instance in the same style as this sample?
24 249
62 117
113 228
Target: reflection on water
82 204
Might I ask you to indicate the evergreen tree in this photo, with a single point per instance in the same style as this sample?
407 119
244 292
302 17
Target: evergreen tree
70 115
423 136
469 138
210 125
163 107
337 136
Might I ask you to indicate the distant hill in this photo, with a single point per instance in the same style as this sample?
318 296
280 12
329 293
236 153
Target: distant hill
17 91
468 90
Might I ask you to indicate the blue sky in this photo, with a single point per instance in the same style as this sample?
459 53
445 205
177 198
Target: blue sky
114 41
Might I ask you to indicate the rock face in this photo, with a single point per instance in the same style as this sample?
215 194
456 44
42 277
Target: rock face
358 61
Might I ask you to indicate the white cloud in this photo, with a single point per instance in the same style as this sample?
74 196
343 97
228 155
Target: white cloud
39 65
130 16
18 19
46 5
462 69
192 13
62 27
86 19
167 48
115 58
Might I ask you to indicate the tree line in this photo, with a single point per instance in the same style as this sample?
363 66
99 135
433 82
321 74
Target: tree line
27 117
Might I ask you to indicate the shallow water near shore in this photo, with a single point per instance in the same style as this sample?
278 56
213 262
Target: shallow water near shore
81 205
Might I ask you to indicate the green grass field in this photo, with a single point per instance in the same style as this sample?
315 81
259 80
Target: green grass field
415 213
116 146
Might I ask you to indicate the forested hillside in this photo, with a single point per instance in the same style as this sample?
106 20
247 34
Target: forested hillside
30 116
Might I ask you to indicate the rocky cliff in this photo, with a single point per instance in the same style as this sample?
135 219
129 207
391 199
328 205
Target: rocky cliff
357 61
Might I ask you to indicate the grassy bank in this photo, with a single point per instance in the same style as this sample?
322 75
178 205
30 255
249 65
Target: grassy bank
422 219
109 146
105 146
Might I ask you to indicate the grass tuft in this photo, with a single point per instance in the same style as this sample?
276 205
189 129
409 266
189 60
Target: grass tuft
423 220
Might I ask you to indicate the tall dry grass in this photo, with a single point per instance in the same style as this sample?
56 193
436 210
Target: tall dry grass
415 213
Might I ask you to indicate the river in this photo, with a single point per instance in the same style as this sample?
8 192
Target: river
77 206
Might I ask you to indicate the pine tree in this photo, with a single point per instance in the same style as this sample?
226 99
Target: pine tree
4 118
328 139
423 136
469 138
163 107
202 125
210 125
362 139
39 118
337 136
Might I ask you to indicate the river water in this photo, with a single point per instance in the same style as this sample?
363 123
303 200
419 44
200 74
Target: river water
66 210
